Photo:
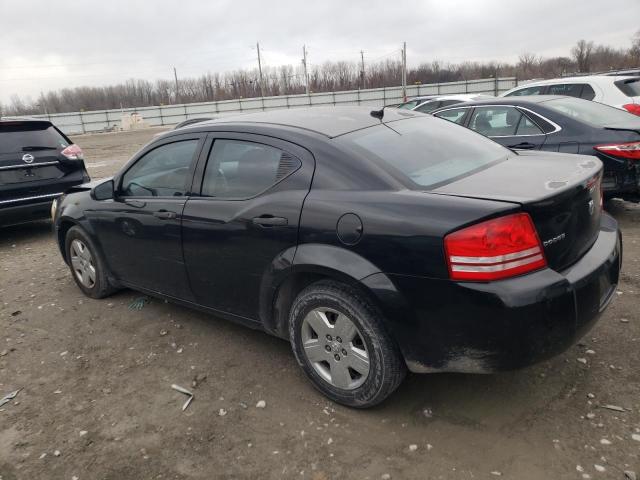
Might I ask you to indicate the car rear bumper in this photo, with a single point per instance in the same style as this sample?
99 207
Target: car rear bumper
26 209
443 326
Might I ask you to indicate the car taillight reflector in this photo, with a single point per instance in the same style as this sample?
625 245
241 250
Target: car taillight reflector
632 108
499 248
629 150
72 152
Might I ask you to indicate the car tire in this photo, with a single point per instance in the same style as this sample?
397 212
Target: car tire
325 357
83 257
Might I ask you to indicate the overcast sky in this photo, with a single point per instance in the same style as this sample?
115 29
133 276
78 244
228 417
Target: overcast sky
47 44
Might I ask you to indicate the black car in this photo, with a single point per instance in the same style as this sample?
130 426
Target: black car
37 164
562 124
373 245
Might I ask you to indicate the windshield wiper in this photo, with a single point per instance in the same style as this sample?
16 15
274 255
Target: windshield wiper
31 148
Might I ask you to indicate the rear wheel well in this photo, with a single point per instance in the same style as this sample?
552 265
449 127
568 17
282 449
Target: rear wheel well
289 289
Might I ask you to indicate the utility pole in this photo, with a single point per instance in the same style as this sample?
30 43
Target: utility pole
175 75
260 70
404 72
306 71
362 71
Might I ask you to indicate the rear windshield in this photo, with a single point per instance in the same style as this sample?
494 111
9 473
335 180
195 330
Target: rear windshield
630 87
594 113
19 137
427 151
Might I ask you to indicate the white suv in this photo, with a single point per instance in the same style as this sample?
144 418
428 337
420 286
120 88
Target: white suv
618 91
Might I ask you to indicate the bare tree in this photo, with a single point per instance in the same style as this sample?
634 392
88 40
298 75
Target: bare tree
582 55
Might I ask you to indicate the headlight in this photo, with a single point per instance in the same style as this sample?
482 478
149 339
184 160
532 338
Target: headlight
54 207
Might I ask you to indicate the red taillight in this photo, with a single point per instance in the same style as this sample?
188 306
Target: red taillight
632 108
623 150
72 152
494 249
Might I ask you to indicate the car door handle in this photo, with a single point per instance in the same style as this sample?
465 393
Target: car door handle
270 221
165 214
525 145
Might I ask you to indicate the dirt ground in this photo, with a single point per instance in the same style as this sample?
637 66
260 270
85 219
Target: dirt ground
96 399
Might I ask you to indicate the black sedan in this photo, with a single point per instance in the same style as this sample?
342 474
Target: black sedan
374 243
562 124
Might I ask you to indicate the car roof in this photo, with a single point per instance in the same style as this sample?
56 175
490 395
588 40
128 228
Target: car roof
524 99
596 79
330 121
23 120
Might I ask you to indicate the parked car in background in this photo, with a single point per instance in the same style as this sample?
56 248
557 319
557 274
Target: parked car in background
37 164
562 124
617 91
413 102
372 242
191 121
440 101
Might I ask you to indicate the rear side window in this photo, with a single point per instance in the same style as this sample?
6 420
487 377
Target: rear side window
425 151
568 89
239 169
495 121
527 127
454 115
630 87
537 90
27 136
587 92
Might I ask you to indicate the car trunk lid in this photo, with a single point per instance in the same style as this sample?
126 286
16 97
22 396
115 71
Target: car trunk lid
562 193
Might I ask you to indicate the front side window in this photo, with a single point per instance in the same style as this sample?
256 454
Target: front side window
238 169
162 172
425 151
568 89
537 90
454 115
495 121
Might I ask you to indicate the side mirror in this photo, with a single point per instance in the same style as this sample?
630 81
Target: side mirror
104 191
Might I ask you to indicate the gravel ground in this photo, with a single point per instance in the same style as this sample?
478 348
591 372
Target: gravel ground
96 399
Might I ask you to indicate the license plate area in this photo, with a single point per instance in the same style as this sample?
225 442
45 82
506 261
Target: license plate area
29 174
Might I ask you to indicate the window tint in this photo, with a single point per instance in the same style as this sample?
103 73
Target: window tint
568 89
527 127
495 121
14 137
537 90
630 87
410 104
587 92
240 169
429 106
424 150
594 113
446 103
162 172
454 115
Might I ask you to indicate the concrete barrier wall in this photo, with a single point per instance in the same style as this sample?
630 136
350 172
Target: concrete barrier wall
104 120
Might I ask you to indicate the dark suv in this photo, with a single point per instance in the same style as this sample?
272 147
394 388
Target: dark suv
37 164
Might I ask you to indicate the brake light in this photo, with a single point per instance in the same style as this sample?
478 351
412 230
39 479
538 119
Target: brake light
623 150
632 108
72 152
499 248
